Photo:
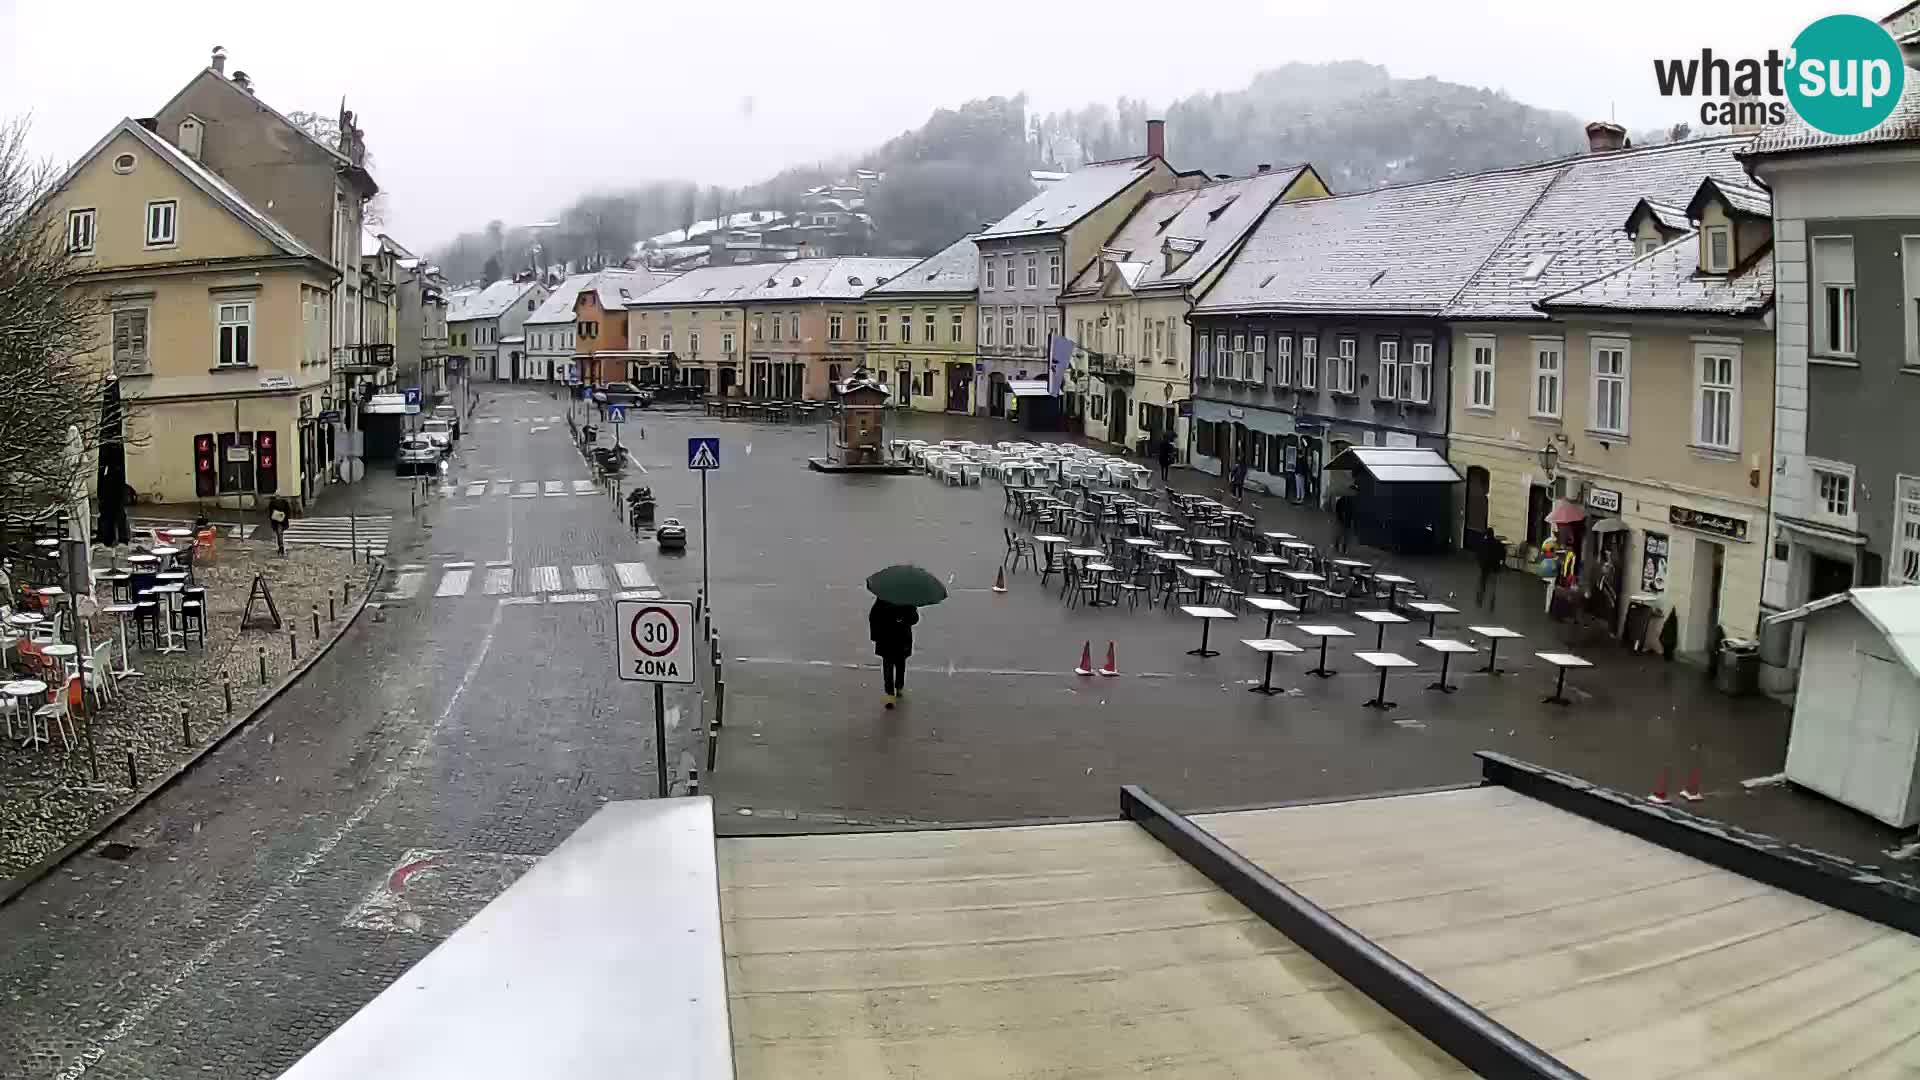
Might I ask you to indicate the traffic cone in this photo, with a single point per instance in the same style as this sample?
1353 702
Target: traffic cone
1000 580
1086 659
1109 669
1659 790
1691 790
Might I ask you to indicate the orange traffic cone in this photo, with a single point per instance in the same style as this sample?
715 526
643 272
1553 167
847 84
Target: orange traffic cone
1000 580
1691 790
1109 669
1086 659
1659 790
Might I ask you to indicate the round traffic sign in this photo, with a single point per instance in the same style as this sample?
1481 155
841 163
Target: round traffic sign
655 631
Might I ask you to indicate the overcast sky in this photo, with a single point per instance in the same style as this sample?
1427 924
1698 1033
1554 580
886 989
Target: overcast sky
479 110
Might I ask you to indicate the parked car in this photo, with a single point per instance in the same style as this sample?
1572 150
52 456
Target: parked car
417 455
438 432
621 393
451 415
672 536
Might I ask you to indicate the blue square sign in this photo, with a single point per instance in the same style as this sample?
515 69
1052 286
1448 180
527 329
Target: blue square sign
703 452
616 414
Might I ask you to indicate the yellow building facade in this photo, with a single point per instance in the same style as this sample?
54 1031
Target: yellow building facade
923 325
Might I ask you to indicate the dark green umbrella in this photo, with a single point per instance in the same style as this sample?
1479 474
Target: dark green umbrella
908 586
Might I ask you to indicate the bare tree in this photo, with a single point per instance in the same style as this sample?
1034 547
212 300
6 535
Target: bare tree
52 377
325 130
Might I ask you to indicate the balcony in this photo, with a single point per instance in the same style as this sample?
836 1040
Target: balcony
367 358
1110 365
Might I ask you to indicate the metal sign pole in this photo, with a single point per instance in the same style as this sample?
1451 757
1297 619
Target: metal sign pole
706 540
660 736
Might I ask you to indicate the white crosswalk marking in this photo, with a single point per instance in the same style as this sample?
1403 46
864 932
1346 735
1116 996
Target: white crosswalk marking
408 583
546 579
499 580
553 419
478 487
554 488
529 489
341 532
583 487
633 575
453 583
588 577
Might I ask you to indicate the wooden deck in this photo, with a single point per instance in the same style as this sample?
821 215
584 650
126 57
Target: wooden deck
1050 951
1617 956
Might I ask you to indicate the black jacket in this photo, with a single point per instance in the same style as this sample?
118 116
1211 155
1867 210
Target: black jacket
891 626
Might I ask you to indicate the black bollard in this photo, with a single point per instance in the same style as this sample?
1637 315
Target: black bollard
133 773
263 665
713 744
293 647
186 728
316 622
226 688
93 754
330 615
693 781
719 706
345 596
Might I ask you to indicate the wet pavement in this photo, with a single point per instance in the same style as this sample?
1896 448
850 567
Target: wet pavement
466 728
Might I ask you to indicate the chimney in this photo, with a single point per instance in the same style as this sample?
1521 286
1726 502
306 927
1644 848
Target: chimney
242 80
1604 136
1265 168
1157 138
219 60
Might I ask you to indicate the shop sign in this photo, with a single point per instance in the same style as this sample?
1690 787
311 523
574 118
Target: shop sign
1706 521
306 406
1653 564
1605 500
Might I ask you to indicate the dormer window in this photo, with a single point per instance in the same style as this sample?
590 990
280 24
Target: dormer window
1718 255
191 131
1645 245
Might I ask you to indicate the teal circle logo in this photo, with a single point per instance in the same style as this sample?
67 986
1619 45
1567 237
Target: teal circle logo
1847 75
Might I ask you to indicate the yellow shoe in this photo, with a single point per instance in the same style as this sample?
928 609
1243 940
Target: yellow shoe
890 701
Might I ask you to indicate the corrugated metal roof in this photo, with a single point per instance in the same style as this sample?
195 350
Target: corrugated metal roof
558 306
1894 610
1576 224
1402 249
1796 135
1063 202
1669 281
955 269
1207 221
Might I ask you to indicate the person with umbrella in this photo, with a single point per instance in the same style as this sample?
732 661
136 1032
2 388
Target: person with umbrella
898 591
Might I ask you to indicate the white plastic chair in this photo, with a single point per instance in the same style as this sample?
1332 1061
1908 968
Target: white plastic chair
98 671
57 715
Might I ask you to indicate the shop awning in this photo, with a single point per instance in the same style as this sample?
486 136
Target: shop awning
1397 464
1029 387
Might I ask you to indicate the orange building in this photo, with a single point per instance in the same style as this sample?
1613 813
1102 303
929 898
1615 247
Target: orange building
602 351
807 326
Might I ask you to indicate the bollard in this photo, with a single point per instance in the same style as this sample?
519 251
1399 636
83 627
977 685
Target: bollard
316 622
719 706
133 773
693 781
699 605
293 646
226 688
345 597
186 728
330 615
93 754
713 744
263 665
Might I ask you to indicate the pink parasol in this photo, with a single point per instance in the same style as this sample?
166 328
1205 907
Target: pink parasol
1566 513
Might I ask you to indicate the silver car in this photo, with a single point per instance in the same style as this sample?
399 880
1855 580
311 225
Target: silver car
439 433
417 455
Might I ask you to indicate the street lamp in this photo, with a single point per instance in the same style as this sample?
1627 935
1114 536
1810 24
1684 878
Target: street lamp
1549 459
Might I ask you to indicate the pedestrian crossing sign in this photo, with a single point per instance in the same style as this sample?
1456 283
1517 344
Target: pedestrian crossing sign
616 414
703 452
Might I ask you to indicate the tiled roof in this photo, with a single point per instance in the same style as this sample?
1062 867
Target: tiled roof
615 290
1573 234
489 302
1668 216
1668 281
845 278
1796 135
955 269
1740 197
558 306
708 285
1063 202
1405 249
1208 221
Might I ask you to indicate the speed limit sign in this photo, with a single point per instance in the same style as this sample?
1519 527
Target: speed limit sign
655 641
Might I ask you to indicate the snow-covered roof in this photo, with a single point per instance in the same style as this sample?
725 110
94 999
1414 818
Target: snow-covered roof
953 270
1797 136
1740 198
489 302
1396 250
615 289
1204 222
1062 203
1668 281
557 308
1894 610
1666 215
844 278
706 285
737 220
1573 235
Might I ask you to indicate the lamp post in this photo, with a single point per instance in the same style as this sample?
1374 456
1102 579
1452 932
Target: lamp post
1549 460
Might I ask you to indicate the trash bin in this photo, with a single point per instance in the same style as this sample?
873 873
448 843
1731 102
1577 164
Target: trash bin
1739 672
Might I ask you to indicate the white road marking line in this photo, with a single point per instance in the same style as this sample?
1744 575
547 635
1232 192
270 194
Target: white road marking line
538 428
453 583
589 577
554 488
499 581
573 598
546 579
459 566
583 487
405 763
408 583
478 487
633 575
530 487
638 594
518 600
553 419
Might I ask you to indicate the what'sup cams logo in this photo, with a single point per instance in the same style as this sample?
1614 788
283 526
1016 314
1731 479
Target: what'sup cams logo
1843 76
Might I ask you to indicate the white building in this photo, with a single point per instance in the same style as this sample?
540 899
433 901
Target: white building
549 332
484 328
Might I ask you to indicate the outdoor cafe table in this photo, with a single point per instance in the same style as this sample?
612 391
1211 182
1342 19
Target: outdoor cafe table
1206 615
1204 578
1494 635
1561 662
166 555
1433 609
1102 577
64 653
143 562
1383 662
1380 619
22 691
1210 548
1269 646
1323 633
1269 565
1301 579
1272 606
1446 647
120 612
51 595
1047 540
1141 547
168 594
1296 549
1276 537
1395 580
177 535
